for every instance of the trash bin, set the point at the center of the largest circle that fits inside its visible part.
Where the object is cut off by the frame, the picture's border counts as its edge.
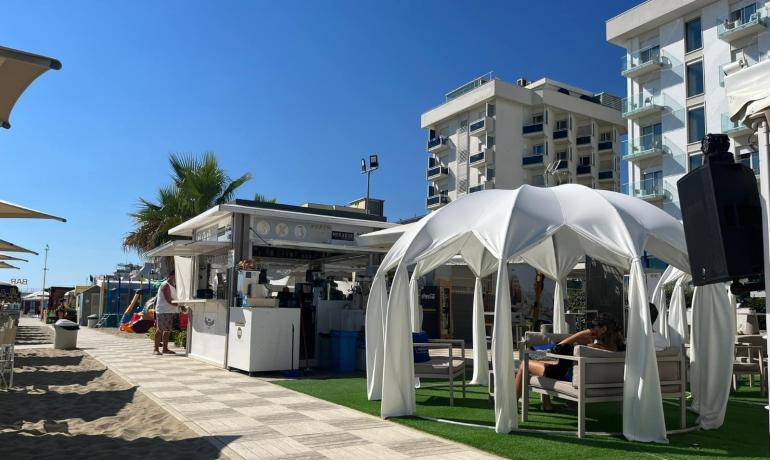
(344, 351)
(93, 320)
(65, 334)
(324, 350)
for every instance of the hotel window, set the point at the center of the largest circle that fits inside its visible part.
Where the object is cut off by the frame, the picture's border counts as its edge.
(538, 149)
(490, 141)
(650, 54)
(585, 161)
(696, 124)
(562, 155)
(490, 110)
(561, 125)
(605, 136)
(693, 36)
(696, 160)
(490, 173)
(695, 79)
(743, 15)
(537, 118)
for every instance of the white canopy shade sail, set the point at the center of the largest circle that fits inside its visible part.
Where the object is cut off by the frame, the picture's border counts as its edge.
(385, 237)
(15, 211)
(18, 69)
(7, 246)
(5, 257)
(550, 229)
(37, 295)
(7, 265)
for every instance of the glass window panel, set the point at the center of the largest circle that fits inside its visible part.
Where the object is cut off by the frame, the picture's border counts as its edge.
(696, 124)
(695, 161)
(695, 79)
(693, 37)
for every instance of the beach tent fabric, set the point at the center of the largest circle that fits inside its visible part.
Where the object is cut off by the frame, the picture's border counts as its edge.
(550, 229)
(18, 69)
(672, 319)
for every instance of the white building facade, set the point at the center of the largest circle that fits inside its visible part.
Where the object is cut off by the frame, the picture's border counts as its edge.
(494, 134)
(676, 51)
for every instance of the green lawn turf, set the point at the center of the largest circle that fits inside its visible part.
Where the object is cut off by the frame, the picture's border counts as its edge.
(743, 435)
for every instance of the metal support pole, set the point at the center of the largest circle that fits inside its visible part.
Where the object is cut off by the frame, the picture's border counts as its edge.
(45, 271)
(368, 183)
(764, 196)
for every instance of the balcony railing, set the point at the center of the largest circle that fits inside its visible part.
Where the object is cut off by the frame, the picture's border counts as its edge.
(583, 140)
(482, 157)
(532, 160)
(436, 200)
(641, 104)
(560, 134)
(642, 62)
(437, 171)
(646, 189)
(733, 127)
(437, 143)
(645, 146)
(532, 128)
(583, 169)
(606, 175)
(562, 164)
(486, 185)
(480, 126)
(605, 145)
(729, 30)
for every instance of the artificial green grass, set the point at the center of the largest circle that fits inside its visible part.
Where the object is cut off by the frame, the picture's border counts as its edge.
(743, 435)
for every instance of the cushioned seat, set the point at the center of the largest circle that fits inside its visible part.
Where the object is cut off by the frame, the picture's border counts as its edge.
(438, 364)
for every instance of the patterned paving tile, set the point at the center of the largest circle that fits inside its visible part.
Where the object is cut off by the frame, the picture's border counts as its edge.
(301, 427)
(282, 418)
(329, 440)
(424, 447)
(311, 404)
(361, 452)
(363, 423)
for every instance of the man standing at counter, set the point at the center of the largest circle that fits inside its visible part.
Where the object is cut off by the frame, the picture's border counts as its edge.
(165, 309)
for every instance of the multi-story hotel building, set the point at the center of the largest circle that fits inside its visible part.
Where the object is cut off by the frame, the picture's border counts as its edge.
(676, 52)
(492, 134)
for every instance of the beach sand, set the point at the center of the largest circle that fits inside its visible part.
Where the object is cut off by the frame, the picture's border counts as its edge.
(65, 404)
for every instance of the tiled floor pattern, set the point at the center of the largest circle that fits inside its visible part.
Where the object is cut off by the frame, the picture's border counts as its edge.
(253, 418)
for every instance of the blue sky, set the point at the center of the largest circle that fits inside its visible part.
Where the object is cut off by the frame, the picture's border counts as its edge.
(295, 92)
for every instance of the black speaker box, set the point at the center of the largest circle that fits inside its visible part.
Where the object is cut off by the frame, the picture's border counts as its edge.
(722, 220)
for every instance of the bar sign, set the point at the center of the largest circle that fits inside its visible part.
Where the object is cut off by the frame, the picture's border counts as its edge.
(344, 236)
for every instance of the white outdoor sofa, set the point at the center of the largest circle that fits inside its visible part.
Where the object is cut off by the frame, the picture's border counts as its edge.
(447, 367)
(597, 376)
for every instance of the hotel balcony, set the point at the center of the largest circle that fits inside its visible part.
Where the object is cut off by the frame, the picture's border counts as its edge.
(532, 129)
(436, 201)
(583, 170)
(560, 136)
(730, 30)
(606, 175)
(486, 156)
(642, 62)
(487, 185)
(734, 128)
(647, 189)
(437, 144)
(562, 165)
(640, 105)
(532, 161)
(583, 141)
(643, 147)
(437, 172)
(481, 126)
(605, 146)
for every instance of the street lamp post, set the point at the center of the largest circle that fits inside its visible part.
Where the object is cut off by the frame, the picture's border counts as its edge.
(45, 271)
(373, 165)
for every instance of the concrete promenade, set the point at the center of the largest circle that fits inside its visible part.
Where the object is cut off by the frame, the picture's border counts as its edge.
(248, 417)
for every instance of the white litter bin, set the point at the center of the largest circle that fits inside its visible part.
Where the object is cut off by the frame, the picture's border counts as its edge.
(65, 335)
(93, 320)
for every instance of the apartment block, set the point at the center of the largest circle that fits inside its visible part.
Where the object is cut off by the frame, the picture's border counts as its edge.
(676, 53)
(493, 134)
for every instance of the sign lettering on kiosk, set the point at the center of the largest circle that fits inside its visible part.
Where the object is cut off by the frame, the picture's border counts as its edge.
(343, 236)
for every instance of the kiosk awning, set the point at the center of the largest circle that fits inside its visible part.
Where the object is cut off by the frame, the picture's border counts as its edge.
(18, 69)
(187, 248)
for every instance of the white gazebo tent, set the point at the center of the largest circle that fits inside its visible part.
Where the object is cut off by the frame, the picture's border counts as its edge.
(550, 229)
(748, 96)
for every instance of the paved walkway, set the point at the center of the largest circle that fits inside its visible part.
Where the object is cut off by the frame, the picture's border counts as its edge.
(252, 418)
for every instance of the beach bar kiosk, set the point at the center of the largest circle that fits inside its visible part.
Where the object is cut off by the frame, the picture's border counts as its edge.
(263, 281)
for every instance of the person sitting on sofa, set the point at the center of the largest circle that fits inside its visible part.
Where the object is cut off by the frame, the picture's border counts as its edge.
(603, 333)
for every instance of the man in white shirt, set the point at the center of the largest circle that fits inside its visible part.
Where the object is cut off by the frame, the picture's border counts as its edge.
(165, 310)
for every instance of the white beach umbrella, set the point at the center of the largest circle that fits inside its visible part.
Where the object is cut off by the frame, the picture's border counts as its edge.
(14, 211)
(6, 246)
(18, 69)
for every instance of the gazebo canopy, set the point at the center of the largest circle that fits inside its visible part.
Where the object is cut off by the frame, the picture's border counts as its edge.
(15, 211)
(7, 246)
(550, 229)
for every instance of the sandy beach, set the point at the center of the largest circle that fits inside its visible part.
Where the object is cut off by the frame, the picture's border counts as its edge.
(65, 404)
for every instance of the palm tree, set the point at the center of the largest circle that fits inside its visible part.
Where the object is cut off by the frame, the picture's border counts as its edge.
(260, 198)
(198, 184)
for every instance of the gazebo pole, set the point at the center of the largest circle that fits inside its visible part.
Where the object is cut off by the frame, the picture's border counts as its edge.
(764, 194)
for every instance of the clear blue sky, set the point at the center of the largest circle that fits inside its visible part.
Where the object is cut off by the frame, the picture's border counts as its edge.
(296, 92)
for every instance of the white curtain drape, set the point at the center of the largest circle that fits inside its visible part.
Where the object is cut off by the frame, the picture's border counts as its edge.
(559, 318)
(183, 269)
(643, 418)
(375, 309)
(677, 316)
(712, 351)
(502, 356)
(480, 356)
(398, 362)
(414, 303)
